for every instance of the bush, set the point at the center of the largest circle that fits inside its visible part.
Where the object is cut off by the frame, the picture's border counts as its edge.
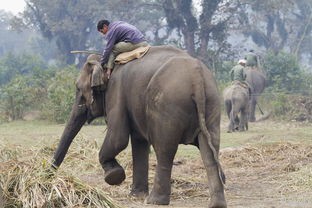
(17, 97)
(284, 73)
(60, 95)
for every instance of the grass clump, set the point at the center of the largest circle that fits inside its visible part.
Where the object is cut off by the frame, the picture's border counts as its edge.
(27, 181)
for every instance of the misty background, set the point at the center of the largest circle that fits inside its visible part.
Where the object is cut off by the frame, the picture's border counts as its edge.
(37, 70)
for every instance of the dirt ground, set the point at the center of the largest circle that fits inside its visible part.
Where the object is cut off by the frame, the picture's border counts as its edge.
(268, 166)
(275, 175)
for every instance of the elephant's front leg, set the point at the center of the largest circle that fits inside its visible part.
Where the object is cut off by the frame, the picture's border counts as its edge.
(140, 151)
(116, 140)
(253, 103)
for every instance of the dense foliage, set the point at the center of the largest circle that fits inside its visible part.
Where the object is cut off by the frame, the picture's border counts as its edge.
(27, 85)
(284, 74)
(60, 95)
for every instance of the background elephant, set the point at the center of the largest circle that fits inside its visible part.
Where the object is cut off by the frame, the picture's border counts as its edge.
(257, 81)
(164, 99)
(236, 100)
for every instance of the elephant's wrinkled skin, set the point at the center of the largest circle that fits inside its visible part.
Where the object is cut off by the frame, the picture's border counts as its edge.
(236, 100)
(257, 81)
(164, 99)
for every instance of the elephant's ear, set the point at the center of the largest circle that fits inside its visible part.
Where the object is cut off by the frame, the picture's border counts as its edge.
(98, 80)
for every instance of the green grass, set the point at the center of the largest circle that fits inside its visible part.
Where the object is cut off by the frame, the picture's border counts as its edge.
(40, 133)
(33, 133)
(267, 132)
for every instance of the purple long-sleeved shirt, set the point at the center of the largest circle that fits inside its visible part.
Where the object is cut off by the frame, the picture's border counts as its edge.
(120, 32)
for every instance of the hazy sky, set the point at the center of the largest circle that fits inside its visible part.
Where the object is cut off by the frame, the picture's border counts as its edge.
(13, 6)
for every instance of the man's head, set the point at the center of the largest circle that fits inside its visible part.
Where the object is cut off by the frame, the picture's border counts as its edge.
(242, 62)
(102, 26)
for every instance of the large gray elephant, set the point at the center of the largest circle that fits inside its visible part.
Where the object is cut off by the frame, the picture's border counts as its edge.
(236, 100)
(257, 81)
(164, 99)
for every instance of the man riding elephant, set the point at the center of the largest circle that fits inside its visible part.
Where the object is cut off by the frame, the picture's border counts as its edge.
(256, 78)
(252, 59)
(238, 74)
(121, 37)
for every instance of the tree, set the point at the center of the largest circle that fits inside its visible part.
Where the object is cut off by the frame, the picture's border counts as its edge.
(200, 32)
(69, 23)
(12, 41)
(72, 24)
(12, 65)
(281, 25)
(284, 73)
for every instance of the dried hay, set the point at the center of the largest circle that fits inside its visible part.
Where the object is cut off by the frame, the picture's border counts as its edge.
(26, 181)
(285, 164)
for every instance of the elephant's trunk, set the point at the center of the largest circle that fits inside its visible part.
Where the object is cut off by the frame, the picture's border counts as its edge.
(77, 118)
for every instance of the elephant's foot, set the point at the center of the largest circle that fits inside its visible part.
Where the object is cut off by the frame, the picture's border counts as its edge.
(241, 129)
(252, 119)
(217, 201)
(114, 173)
(139, 193)
(157, 199)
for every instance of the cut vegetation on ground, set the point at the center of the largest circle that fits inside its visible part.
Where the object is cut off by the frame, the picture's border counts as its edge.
(268, 166)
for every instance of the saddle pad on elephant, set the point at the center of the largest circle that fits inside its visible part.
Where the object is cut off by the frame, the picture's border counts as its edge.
(130, 55)
(242, 84)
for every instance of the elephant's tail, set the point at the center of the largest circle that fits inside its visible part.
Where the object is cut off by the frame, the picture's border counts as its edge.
(200, 100)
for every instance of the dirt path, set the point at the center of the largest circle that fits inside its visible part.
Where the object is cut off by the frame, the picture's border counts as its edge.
(274, 175)
(268, 166)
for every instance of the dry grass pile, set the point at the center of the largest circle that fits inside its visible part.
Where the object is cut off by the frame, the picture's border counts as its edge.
(26, 181)
(287, 165)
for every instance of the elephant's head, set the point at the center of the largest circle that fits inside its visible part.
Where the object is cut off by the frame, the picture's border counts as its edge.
(89, 104)
(91, 85)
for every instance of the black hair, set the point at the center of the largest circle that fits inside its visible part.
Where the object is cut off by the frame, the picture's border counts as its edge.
(101, 24)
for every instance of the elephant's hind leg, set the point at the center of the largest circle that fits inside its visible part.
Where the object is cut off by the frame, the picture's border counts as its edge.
(161, 191)
(216, 188)
(165, 140)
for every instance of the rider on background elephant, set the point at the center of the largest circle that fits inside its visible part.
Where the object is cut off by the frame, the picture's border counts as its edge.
(252, 59)
(256, 78)
(237, 97)
(121, 37)
(238, 74)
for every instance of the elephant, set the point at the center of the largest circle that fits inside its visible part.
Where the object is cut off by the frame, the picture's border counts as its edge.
(2, 202)
(162, 100)
(257, 82)
(236, 100)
